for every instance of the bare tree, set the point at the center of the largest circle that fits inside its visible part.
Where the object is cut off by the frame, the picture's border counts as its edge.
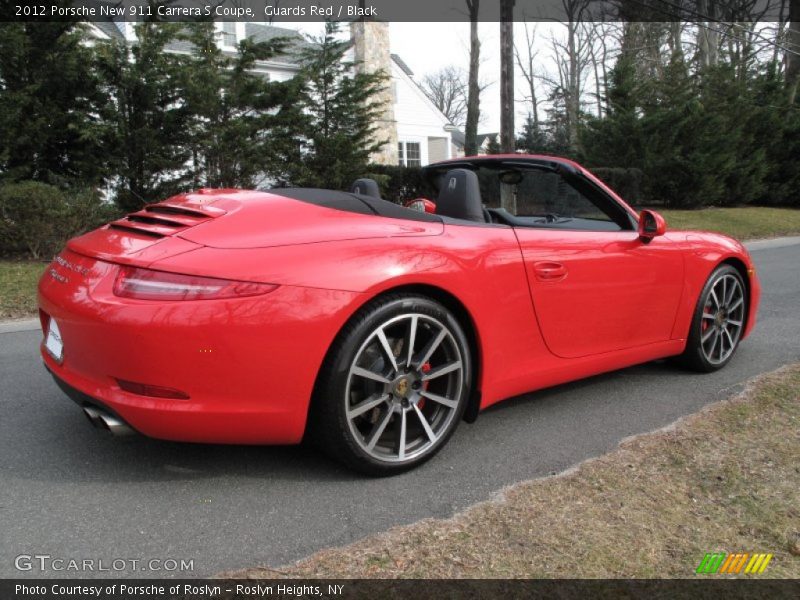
(707, 34)
(447, 89)
(526, 61)
(572, 57)
(792, 54)
(473, 87)
(507, 137)
(599, 51)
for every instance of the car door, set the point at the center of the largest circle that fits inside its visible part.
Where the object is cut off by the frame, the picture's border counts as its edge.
(595, 285)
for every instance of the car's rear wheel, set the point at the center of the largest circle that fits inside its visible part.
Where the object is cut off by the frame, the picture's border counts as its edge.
(394, 386)
(718, 322)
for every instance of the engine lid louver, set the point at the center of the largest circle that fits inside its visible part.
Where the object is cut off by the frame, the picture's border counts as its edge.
(165, 219)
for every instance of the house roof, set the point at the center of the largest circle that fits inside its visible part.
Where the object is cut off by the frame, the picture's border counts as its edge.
(255, 31)
(458, 137)
(403, 66)
(260, 33)
(110, 29)
(482, 137)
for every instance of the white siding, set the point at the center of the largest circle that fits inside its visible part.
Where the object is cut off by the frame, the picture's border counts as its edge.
(417, 118)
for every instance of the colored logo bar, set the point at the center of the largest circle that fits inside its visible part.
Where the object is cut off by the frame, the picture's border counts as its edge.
(733, 564)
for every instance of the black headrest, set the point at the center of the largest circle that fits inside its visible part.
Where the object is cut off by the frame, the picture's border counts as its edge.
(366, 187)
(460, 196)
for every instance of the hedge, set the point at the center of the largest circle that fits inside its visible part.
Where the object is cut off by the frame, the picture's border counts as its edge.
(400, 184)
(37, 219)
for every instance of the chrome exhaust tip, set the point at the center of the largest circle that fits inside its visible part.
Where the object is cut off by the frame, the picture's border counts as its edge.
(116, 426)
(101, 419)
(93, 416)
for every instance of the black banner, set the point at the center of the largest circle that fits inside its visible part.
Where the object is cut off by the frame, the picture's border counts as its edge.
(284, 11)
(380, 589)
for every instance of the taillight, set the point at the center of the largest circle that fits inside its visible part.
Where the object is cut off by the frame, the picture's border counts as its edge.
(145, 284)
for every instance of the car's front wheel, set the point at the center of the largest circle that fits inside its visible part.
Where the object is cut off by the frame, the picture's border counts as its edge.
(394, 386)
(718, 322)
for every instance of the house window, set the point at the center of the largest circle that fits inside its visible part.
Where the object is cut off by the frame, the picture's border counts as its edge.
(228, 33)
(409, 154)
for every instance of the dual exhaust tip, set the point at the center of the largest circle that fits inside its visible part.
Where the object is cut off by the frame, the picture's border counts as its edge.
(104, 420)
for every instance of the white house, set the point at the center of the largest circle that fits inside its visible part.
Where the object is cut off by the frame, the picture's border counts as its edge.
(417, 132)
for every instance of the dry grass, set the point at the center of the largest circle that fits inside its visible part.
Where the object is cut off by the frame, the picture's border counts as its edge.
(725, 479)
(18, 280)
(741, 223)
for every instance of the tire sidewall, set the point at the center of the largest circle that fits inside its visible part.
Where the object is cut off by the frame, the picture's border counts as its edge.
(365, 323)
(694, 352)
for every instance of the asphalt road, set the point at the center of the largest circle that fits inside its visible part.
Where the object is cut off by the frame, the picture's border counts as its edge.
(72, 492)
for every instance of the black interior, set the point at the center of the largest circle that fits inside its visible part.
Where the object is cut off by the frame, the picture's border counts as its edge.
(501, 215)
(611, 216)
(366, 187)
(357, 203)
(460, 196)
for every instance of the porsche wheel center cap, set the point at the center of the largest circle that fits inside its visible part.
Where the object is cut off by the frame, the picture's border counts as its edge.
(401, 387)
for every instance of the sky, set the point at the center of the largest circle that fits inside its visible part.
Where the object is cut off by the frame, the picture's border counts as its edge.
(428, 47)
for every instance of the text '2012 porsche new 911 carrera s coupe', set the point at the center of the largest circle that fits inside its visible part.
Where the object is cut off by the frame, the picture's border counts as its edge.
(245, 317)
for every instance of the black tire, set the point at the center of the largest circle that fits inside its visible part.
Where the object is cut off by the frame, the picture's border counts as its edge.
(342, 390)
(696, 356)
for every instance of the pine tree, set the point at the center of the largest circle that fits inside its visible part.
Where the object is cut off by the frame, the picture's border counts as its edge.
(244, 128)
(532, 140)
(147, 118)
(492, 145)
(616, 140)
(49, 102)
(342, 108)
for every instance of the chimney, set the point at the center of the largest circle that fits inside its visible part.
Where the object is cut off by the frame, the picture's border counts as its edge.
(372, 53)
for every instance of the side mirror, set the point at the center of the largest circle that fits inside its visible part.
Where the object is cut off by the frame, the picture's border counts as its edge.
(651, 224)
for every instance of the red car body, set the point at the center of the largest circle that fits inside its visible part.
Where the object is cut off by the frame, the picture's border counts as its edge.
(243, 368)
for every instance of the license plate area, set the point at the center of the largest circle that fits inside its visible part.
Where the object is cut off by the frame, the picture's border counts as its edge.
(53, 342)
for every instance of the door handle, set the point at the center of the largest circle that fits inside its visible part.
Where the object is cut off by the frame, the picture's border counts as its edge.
(549, 271)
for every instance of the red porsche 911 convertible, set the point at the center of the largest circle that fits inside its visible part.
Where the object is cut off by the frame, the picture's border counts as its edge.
(246, 317)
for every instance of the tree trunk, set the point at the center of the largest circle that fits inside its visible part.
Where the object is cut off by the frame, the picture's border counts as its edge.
(707, 35)
(473, 88)
(507, 76)
(527, 68)
(793, 51)
(507, 142)
(573, 91)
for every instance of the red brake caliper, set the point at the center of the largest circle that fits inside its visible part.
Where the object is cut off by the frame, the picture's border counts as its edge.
(425, 368)
(706, 323)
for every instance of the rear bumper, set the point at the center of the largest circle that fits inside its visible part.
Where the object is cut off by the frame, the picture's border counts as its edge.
(98, 414)
(248, 365)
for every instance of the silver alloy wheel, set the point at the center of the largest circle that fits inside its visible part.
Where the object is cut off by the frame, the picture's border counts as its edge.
(404, 387)
(722, 321)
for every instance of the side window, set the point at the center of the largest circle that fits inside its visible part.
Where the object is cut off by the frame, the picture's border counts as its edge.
(549, 200)
(549, 194)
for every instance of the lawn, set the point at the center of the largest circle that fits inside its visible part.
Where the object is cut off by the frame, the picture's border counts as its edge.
(723, 480)
(18, 281)
(741, 223)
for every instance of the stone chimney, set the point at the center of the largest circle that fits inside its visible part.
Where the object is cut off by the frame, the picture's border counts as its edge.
(372, 53)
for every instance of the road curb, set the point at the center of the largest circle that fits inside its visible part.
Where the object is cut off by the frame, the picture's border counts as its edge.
(20, 325)
(767, 244)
